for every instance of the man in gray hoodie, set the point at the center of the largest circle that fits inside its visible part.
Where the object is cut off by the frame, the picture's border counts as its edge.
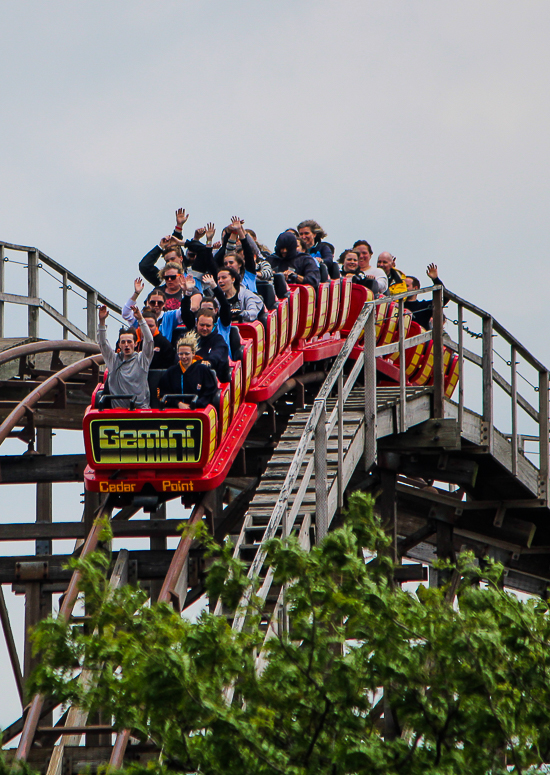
(127, 369)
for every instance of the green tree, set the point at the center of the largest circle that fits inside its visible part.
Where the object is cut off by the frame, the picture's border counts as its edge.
(466, 686)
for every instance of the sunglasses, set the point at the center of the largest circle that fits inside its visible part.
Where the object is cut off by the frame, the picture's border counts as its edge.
(156, 303)
(171, 276)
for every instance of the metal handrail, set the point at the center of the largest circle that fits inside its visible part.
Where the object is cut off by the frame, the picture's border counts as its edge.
(316, 414)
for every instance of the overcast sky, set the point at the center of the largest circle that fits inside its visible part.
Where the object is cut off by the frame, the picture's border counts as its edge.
(420, 125)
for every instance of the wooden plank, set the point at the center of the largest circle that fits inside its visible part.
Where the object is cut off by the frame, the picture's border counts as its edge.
(430, 433)
(29, 469)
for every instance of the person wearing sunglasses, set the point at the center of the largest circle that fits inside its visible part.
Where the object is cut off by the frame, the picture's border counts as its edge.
(169, 321)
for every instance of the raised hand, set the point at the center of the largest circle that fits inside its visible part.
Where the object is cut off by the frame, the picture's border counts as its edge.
(208, 280)
(165, 242)
(188, 282)
(237, 225)
(431, 271)
(200, 232)
(103, 313)
(217, 245)
(181, 218)
(137, 314)
(138, 286)
(210, 231)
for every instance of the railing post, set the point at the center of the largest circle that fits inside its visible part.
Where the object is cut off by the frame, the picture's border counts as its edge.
(2, 256)
(544, 430)
(514, 391)
(91, 312)
(460, 366)
(340, 474)
(32, 292)
(402, 371)
(487, 425)
(437, 336)
(320, 461)
(369, 379)
(65, 288)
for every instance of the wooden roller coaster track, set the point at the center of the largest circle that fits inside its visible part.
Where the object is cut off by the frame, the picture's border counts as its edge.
(448, 478)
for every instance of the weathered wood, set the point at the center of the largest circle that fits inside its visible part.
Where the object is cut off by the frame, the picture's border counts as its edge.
(32, 291)
(2, 275)
(487, 426)
(11, 647)
(30, 469)
(438, 367)
(544, 435)
(412, 572)
(436, 433)
(136, 528)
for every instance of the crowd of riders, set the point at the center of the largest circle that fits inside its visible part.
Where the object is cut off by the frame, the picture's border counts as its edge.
(183, 334)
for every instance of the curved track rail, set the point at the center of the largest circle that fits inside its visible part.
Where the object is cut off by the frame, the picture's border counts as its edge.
(337, 440)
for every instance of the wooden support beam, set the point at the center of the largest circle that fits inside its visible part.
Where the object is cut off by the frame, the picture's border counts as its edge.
(30, 469)
(388, 480)
(11, 647)
(136, 528)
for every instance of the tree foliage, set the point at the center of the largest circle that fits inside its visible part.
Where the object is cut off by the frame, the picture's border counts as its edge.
(466, 686)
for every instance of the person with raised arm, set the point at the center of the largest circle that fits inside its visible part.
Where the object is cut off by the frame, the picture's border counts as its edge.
(235, 241)
(127, 369)
(168, 248)
(422, 309)
(217, 303)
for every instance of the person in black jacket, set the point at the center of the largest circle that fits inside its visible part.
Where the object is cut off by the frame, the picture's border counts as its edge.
(297, 267)
(212, 347)
(188, 377)
(163, 356)
(422, 309)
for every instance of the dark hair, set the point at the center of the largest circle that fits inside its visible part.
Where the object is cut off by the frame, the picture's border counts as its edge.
(239, 259)
(205, 313)
(129, 330)
(147, 312)
(416, 281)
(362, 242)
(344, 253)
(234, 275)
(213, 299)
(156, 292)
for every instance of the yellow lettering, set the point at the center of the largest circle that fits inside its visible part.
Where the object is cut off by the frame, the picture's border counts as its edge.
(127, 439)
(108, 436)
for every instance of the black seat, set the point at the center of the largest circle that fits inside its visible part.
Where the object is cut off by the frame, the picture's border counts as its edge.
(267, 292)
(324, 272)
(153, 378)
(235, 344)
(333, 270)
(280, 285)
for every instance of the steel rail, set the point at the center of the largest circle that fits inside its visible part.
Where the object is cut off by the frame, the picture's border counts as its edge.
(42, 390)
(280, 507)
(168, 594)
(65, 611)
(33, 348)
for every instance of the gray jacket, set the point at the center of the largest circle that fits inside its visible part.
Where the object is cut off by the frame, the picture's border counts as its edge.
(251, 304)
(128, 376)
